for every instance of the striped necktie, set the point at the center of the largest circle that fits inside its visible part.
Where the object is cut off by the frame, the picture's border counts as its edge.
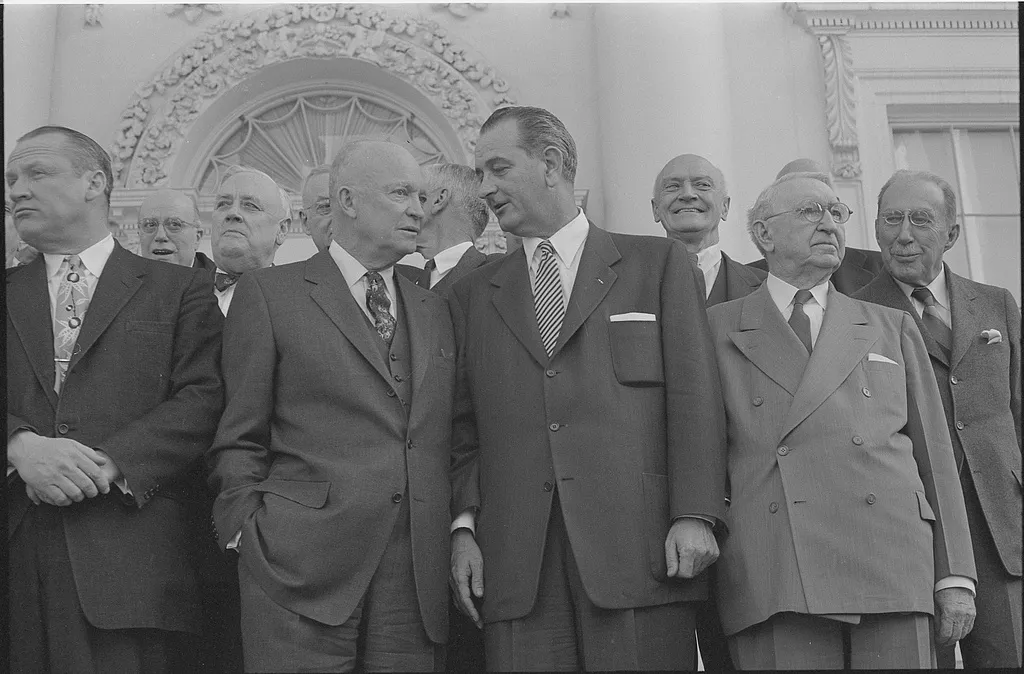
(548, 297)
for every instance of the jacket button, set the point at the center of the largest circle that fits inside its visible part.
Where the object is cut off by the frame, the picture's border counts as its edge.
(553, 427)
(758, 401)
(393, 357)
(398, 377)
(391, 393)
(396, 498)
(63, 429)
(857, 440)
(870, 499)
(866, 391)
(773, 507)
(959, 425)
(408, 445)
(548, 486)
(550, 373)
(783, 450)
(77, 349)
(953, 380)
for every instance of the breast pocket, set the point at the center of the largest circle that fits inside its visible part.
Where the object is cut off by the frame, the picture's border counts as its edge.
(636, 353)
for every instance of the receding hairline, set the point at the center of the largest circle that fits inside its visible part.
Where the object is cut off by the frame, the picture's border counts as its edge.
(352, 155)
(720, 182)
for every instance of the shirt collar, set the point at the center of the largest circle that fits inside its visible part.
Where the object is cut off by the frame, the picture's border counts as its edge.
(937, 286)
(94, 258)
(449, 257)
(708, 257)
(352, 269)
(567, 241)
(783, 293)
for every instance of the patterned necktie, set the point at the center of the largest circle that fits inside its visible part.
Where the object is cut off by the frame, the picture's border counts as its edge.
(379, 305)
(223, 281)
(548, 297)
(799, 321)
(938, 329)
(68, 314)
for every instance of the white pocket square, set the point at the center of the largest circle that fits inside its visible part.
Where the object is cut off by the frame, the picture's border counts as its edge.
(632, 316)
(878, 358)
(992, 335)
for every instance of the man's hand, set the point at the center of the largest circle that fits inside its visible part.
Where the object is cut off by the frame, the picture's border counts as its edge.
(689, 547)
(954, 615)
(109, 468)
(60, 471)
(467, 570)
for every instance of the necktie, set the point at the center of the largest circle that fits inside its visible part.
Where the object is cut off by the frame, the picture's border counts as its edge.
(799, 321)
(379, 305)
(223, 281)
(69, 312)
(938, 329)
(429, 268)
(548, 297)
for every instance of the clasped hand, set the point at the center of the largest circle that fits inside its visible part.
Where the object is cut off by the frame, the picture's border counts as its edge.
(59, 471)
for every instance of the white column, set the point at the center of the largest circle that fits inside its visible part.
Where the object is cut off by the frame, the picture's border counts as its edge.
(30, 43)
(663, 90)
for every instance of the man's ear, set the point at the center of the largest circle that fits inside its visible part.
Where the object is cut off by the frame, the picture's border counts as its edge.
(199, 235)
(654, 212)
(951, 236)
(282, 230)
(553, 162)
(346, 201)
(444, 195)
(96, 186)
(725, 207)
(763, 235)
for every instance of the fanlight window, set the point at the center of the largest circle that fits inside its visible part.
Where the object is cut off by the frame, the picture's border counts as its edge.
(289, 139)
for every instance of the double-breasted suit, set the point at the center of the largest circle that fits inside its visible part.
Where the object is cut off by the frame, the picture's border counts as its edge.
(844, 495)
(980, 386)
(322, 440)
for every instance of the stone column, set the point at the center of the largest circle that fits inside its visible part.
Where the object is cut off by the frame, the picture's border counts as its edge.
(30, 43)
(662, 77)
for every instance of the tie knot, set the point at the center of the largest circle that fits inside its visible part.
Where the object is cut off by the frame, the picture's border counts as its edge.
(374, 279)
(802, 297)
(222, 280)
(546, 249)
(430, 266)
(73, 262)
(924, 296)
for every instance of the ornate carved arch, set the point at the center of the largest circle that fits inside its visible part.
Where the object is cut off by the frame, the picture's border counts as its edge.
(163, 109)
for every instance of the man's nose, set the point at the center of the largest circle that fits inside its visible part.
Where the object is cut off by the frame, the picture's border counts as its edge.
(415, 209)
(486, 188)
(686, 191)
(161, 233)
(18, 190)
(904, 233)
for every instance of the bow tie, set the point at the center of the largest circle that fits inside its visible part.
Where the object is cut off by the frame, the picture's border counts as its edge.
(224, 281)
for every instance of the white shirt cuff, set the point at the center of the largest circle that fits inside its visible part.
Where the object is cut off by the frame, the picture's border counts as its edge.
(122, 484)
(956, 581)
(235, 540)
(467, 520)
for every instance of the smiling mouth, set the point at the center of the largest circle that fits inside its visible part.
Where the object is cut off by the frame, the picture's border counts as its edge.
(161, 251)
(689, 210)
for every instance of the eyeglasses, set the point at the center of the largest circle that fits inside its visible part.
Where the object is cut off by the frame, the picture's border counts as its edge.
(322, 207)
(814, 212)
(172, 225)
(918, 218)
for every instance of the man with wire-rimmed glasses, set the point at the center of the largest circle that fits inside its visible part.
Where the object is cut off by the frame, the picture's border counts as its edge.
(847, 527)
(170, 229)
(315, 214)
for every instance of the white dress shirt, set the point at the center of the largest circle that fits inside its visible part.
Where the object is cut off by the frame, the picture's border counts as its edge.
(446, 260)
(939, 291)
(783, 295)
(568, 244)
(710, 261)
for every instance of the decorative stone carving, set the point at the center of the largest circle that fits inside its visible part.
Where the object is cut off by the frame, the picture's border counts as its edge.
(193, 12)
(162, 110)
(93, 14)
(840, 105)
(461, 9)
(560, 10)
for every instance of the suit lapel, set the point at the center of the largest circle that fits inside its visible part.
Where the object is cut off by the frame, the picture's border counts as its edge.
(420, 311)
(331, 293)
(28, 307)
(469, 261)
(513, 299)
(121, 279)
(843, 341)
(964, 317)
(740, 280)
(594, 278)
(891, 295)
(767, 341)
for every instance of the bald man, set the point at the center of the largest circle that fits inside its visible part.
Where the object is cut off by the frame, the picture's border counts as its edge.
(859, 265)
(331, 459)
(170, 229)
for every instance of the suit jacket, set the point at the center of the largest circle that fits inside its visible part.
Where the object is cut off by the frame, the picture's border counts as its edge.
(203, 262)
(980, 389)
(314, 442)
(625, 419)
(469, 261)
(144, 386)
(734, 281)
(859, 266)
(845, 497)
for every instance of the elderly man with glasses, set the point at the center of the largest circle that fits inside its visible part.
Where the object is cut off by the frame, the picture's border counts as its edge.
(847, 527)
(170, 229)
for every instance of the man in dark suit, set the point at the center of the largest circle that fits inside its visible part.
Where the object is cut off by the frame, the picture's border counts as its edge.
(859, 265)
(691, 199)
(331, 459)
(315, 214)
(847, 527)
(454, 218)
(972, 332)
(589, 433)
(113, 391)
(170, 229)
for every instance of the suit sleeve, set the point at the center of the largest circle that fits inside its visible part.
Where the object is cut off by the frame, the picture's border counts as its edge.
(240, 457)
(933, 452)
(1013, 328)
(158, 447)
(464, 470)
(695, 411)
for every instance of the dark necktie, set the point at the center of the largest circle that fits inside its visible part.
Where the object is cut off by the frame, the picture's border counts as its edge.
(223, 281)
(429, 268)
(548, 297)
(799, 321)
(379, 305)
(938, 329)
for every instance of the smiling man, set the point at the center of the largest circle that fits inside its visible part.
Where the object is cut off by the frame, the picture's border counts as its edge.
(250, 221)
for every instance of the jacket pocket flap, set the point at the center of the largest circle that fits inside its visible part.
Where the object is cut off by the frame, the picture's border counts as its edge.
(926, 509)
(304, 492)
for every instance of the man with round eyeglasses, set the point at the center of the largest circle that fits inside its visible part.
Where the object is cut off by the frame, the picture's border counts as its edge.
(847, 528)
(315, 214)
(170, 229)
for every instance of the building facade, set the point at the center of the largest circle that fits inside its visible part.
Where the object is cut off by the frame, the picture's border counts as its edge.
(179, 92)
